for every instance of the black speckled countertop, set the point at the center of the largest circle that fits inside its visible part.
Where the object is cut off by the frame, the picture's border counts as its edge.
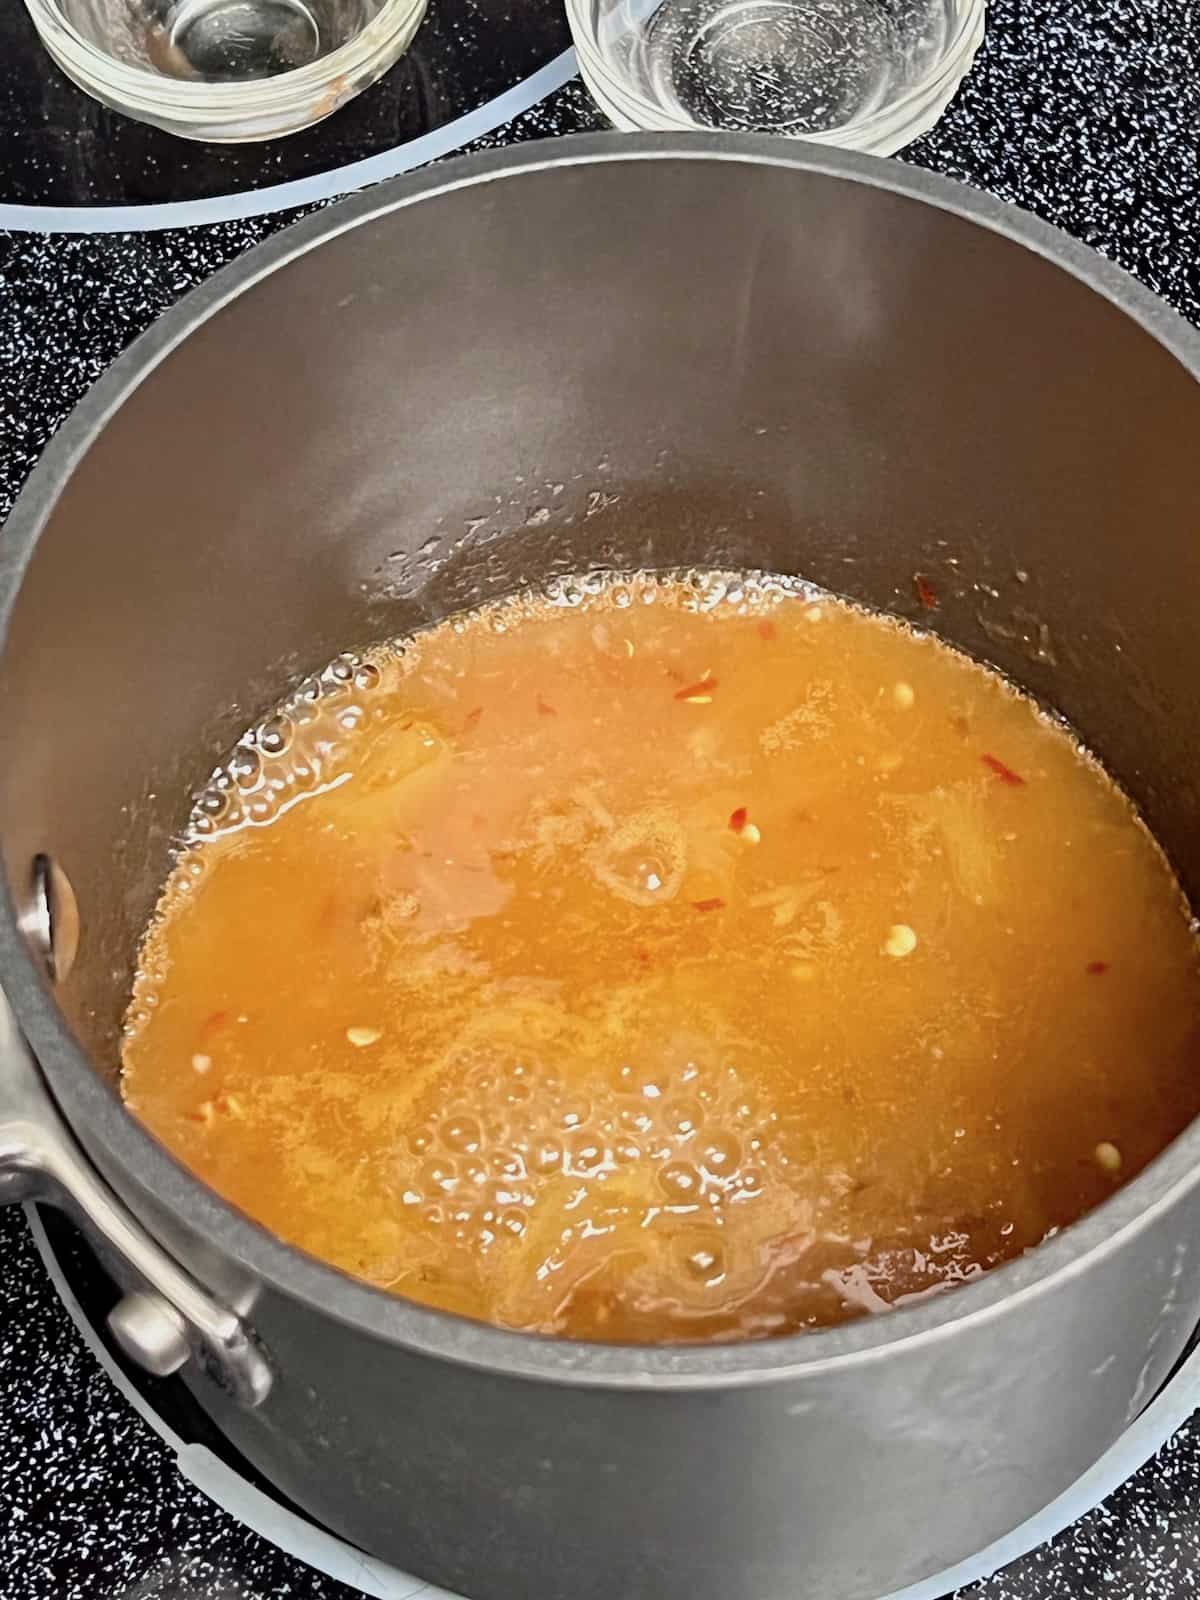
(1086, 112)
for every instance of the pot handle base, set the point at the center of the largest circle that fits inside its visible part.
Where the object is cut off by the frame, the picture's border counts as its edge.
(165, 1319)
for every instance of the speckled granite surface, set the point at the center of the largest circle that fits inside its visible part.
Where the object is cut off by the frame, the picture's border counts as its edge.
(1084, 111)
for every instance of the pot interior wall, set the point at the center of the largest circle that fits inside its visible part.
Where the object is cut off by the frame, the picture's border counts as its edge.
(642, 362)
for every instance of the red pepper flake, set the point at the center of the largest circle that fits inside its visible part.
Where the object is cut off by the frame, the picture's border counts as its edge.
(545, 709)
(737, 819)
(697, 691)
(643, 956)
(212, 1024)
(1095, 968)
(925, 592)
(472, 718)
(1004, 772)
(715, 904)
(766, 629)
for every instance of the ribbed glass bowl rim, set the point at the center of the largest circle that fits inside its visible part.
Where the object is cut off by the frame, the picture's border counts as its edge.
(951, 66)
(145, 89)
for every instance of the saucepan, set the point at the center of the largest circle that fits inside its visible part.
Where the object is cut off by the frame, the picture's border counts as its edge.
(614, 352)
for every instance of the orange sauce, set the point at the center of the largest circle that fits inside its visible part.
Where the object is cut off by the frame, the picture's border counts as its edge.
(672, 960)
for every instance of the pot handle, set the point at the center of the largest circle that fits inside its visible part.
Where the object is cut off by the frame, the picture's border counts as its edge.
(165, 1318)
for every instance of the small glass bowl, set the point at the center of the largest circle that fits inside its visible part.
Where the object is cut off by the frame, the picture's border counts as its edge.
(226, 71)
(868, 75)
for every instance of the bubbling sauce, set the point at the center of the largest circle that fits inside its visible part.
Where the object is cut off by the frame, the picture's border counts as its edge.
(665, 959)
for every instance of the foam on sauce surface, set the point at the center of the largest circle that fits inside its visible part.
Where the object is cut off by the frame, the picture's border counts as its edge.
(673, 960)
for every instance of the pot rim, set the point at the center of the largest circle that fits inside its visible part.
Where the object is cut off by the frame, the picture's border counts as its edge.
(88, 1101)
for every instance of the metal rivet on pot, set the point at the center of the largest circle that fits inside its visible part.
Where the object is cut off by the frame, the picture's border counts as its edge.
(150, 1333)
(50, 922)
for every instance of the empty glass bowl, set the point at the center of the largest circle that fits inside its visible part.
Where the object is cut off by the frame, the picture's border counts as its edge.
(861, 74)
(226, 70)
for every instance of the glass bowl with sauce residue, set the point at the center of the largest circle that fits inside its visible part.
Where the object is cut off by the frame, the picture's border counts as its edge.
(226, 71)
